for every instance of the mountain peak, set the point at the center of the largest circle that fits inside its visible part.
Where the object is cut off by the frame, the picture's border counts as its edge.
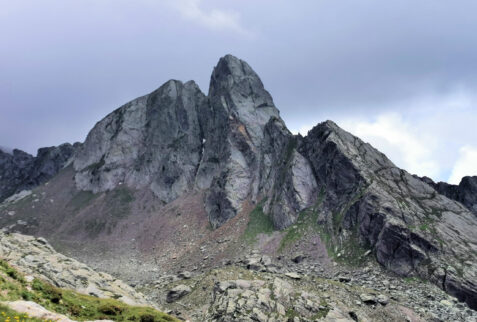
(236, 78)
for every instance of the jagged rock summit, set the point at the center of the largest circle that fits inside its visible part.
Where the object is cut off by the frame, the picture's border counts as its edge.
(176, 140)
(162, 163)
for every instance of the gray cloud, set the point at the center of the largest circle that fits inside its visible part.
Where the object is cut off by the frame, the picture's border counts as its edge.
(64, 65)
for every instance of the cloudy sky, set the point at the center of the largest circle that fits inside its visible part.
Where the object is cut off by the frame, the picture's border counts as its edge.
(401, 74)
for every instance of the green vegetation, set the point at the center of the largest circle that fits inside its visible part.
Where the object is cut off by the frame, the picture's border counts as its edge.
(70, 303)
(259, 223)
(321, 313)
(424, 227)
(346, 250)
(291, 314)
(307, 220)
(338, 216)
(6, 314)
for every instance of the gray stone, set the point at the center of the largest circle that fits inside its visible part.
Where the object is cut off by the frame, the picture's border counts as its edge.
(382, 299)
(293, 275)
(177, 292)
(184, 275)
(368, 299)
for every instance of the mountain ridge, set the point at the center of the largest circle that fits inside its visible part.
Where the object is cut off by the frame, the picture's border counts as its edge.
(177, 156)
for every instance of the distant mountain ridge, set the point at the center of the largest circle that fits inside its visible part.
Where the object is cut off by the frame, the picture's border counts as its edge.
(20, 170)
(465, 192)
(6, 149)
(177, 153)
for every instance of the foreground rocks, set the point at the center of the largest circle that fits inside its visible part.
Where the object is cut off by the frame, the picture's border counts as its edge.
(284, 290)
(35, 257)
(263, 296)
(34, 310)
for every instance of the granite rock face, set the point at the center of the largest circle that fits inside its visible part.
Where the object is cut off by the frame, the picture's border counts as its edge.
(153, 141)
(239, 109)
(20, 170)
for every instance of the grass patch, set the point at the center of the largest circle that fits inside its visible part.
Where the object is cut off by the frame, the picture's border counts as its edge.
(291, 314)
(76, 306)
(307, 220)
(259, 223)
(321, 313)
(7, 314)
(348, 251)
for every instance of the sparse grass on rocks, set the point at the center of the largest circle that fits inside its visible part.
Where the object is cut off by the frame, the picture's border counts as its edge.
(13, 287)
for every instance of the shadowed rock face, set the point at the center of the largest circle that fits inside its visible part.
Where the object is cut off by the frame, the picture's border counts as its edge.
(411, 227)
(20, 170)
(233, 146)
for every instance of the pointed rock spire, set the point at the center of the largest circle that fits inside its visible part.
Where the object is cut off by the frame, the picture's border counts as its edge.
(236, 78)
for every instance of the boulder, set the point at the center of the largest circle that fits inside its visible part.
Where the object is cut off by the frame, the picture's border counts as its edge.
(177, 292)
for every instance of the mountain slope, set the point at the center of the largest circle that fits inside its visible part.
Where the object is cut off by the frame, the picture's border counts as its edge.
(174, 173)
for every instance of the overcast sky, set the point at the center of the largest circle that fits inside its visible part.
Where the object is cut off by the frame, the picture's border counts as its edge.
(400, 74)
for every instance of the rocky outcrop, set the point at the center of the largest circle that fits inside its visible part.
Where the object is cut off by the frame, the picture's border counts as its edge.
(35, 257)
(465, 192)
(20, 170)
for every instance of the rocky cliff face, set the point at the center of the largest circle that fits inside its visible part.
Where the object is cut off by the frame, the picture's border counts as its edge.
(20, 170)
(153, 141)
(176, 140)
(412, 229)
(232, 148)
